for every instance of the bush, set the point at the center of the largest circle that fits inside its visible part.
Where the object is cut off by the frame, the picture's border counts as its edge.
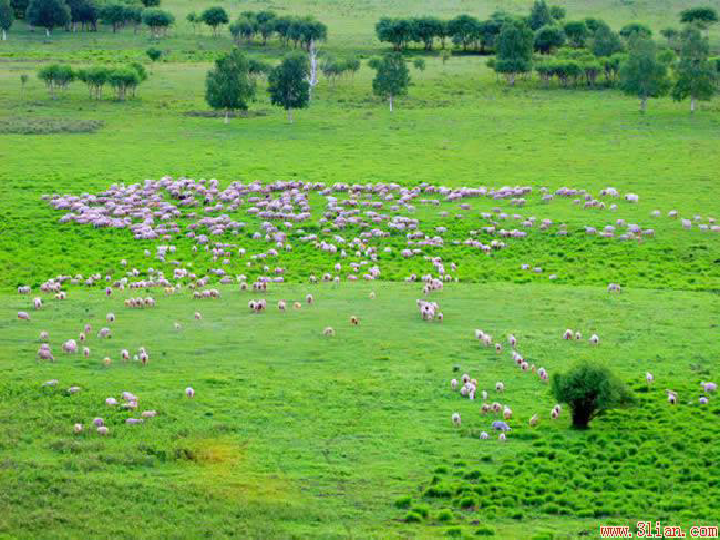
(543, 535)
(445, 515)
(424, 511)
(485, 531)
(403, 502)
(413, 517)
(455, 531)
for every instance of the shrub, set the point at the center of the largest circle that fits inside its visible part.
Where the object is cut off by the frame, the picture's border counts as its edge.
(485, 531)
(413, 517)
(455, 531)
(468, 502)
(444, 515)
(424, 511)
(403, 502)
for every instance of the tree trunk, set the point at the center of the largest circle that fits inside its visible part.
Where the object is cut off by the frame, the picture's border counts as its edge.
(226, 115)
(390, 102)
(581, 418)
(4, 35)
(289, 115)
(643, 104)
(692, 104)
(47, 32)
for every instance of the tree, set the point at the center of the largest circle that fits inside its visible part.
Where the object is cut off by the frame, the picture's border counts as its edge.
(214, 17)
(23, 81)
(635, 28)
(464, 29)
(150, 3)
(193, 19)
(392, 78)
(228, 85)
(427, 29)
(642, 75)
(243, 28)
(589, 391)
(593, 24)
(557, 13)
(154, 54)
(113, 14)
(257, 68)
(6, 17)
(158, 21)
(133, 15)
(514, 52)
(671, 35)
(695, 77)
(548, 38)
(122, 80)
(47, 14)
(419, 64)
(576, 32)
(56, 76)
(606, 42)
(19, 8)
(446, 56)
(702, 16)
(539, 15)
(287, 83)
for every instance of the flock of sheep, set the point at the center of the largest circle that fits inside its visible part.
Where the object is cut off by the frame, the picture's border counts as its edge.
(282, 208)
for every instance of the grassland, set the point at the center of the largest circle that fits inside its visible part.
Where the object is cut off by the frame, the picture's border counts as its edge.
(293, 435)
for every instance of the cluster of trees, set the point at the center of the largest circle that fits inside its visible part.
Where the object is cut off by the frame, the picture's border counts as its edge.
(123, 80)
(465, 31)
(629, 56)
(252, 25)
(333, 67)
(84, 14)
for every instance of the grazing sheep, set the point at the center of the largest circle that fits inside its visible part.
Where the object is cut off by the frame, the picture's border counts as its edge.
(190, 392)
(484, 395)
(485, 408)
(74, 389)
(372, 296)
(178, 326)
(709, 387)
(554, 414)
(86, 352)
(297, 305)
(329, 331)
(134, 420)
(45, 354)
(37, 303)
(144, 358)
(104, 333)
(149, 414)
(512, 340)
(614, 287)
(70, 347)
(524, 366)
(354, 320)
(51, 382)
(110, 317)
(578, 336)
(44, 336)
(82, 336)
(501, 426)
(483, 435)
(198, 316)
(23, 316)
(534, 420)
(87, 328)
(703, 401)
(77, 428)
(309, 298)
(456, 419)
(454, 384)
(107, 361)
(594, 339)
(507, 413)
(568, 334)
(103, 430)
(110, 401)
(501, 437)
(496, 407)
(672, 397)
(97, 422)
(124, 354)
(499, 387)
(649, 377)
(440, 316)
(498, 348)
(282, 305)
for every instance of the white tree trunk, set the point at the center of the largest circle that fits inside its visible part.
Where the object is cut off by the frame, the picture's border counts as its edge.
(47, 32)
(4, 35)
(290, 115)
(312, 81)
(692, 104)
(643, 104)
(390, 102)
(226, 116)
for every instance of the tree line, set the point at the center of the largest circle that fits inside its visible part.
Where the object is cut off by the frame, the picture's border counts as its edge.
(123, 80)
(302, 31)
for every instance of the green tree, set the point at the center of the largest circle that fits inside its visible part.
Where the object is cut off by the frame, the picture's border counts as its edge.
(243, 28)
(6, 17)
(19, 8)
(549, 38)
(589, 391)
(214, 16)
(47, 14)
(150, 3)
(577, 32)
(464, 30)
(704, 17)
(288, 84)
(96, 78)
(514, 51)
(154, 54)
(122, 80)
(257, 68)
(228, 86)
(671, 35)
(557, 13)
(594, 24)
(419, 64)
(606, 42)
(642, 74)
(628, 30)
(392, 77)
(56, 76)
(446, 56)
(133, 15)
(695, 77)
(113, 14)
(427, 29)
(193, 19)
(158, 21)
(539, 15)
(23, 81)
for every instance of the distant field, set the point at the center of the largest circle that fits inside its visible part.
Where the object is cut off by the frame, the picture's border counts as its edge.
(295, 435)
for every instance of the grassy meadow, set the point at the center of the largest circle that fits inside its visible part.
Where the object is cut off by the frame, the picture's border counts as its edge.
(295, 435)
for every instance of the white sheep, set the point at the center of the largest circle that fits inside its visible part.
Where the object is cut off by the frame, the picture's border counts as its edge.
(594, 339)
(454, 384)
(456, 419)
(190, 392)
(77, 428)
(507, 413)
(110, 317)
(499, 387)
(568, 334)
(534, 420)
(483, 435)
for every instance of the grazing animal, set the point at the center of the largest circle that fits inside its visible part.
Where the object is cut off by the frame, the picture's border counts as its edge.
(23, 316)
(45, 354)
(672, 397)
(148, 414)
(125, 354)
(329, 331)
(649, 377)
(282, 305)
(512, 340)
(103, 430)
(454, 384)
(709, 387)
(77, 428)
(554, 414)
(534, 420)
(594, 339)
(484, 395)
(568, 334)
(190, 392)
(354, 320)
(456, 419)
(501, 437)
(178, 326)
(107, 361)
(372, 296)
(86, 352)
(44, 336)
(198, 316)
(499, 387)
(110, 401)
(110, 317)
(37, 303)
(703, 401)
(483, 435)
(507, 413)
(501, 426)
(297, 305)
(309, 298)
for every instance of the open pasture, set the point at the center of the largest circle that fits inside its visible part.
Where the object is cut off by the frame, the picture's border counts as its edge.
(293, 434)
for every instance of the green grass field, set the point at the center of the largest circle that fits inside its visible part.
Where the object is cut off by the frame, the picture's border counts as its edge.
(294, 435)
